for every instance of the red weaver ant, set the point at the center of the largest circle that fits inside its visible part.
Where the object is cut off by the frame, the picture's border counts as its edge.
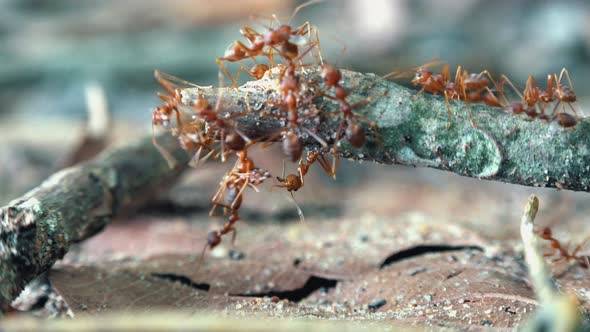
(294, 182)
(533, 96)
(292, 102)
(354, 132)
(163, 114)
(230, 196)
(564, 254)
(471, 88)
(284, 39)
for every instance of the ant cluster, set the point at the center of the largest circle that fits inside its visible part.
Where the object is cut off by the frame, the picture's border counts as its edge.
(205, 133)
(291, 54)
(482, 88)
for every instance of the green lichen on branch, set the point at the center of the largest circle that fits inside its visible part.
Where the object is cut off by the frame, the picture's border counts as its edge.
(38, 228)
(413, 131)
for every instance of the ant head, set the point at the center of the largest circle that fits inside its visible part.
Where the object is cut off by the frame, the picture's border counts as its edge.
(330, 74)
(213, 239)
(259, 70)
(276, 37)
(234, 51)
(293, 182)
(516, 107)
(422, 75)
(546, 233)
(565, 94)
(285, 30)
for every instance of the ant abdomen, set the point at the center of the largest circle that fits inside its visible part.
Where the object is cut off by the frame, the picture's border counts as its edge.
(355, 134)
(234, 141)
(292, 146)
(565, 120)
(232, 197)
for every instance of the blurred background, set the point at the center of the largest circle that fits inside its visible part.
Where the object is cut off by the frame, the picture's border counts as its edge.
(50, 51)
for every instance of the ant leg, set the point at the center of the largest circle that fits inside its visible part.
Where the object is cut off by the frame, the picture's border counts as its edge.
(226, 72)
(448, 109)
(249, 33)
(299, 211)
(234, 233)
(471, 119)
(503, 78)
(573, 110)
(500, 91)
(273, 137)
(578, 247)
(201, 258)
(165, 153)
(315, 136)
(318, 47)
(567, 75)
(167, 81)
(300, 7)
(222, 138)
(372, 124)
(239, 195)
(325, 164)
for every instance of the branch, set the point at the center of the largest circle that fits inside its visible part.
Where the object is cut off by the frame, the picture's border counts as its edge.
(413, 130)
(38, 228)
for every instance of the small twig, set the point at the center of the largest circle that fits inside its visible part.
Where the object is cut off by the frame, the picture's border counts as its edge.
(38, 228)
(97, 132)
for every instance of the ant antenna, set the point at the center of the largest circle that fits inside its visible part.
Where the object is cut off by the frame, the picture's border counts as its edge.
(309, 3)
(299, 211)
(201, 258)
(435, 61)
(165, 153)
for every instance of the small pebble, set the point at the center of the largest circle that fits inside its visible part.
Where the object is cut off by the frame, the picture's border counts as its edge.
(376, 304)
(236, 255)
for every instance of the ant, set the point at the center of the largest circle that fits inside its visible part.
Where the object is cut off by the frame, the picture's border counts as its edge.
(533, 96)
(283, 39)
(161, 116)
(468, 87)
(294, 182)
(203, 114)
(564, 254)
(290, 89)
(230, 196)
(439, 83)
(564, 94)
(229, 135)
(349, 126)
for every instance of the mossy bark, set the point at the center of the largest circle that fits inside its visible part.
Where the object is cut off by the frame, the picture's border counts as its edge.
(38, 228)
(413, 131)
